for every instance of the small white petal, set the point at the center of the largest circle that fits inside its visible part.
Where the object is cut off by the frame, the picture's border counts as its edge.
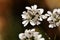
(32, 23)
(44, 17)
(24, 16)
(22, 36)
(55, 10)
(49, 19)
(47, 15)
(26, 30)
(33, 30)
(51, 26)
(25, 22)
(38, 23)
(41, 11)
(24, 12)
(28, 8)
(39, 36)
(49, 12)
(35, 34)
(58, 11)
(35, 6)
(58, 23)
(32, 7)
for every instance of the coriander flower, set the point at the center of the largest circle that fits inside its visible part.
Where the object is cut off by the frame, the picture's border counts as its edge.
(54, 18)
(33, 15)
(29, 34)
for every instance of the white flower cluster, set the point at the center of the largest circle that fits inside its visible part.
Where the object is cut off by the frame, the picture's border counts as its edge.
(29, 34)
(33, 15)
(54, 18)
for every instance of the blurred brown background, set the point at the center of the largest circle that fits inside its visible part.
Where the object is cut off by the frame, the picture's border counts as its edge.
(10, 19)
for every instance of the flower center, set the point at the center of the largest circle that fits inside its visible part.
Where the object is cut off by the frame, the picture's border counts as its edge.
(33, 16)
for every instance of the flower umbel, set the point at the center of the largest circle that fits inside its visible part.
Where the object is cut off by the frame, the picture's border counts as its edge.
(54, 18)
(29, 34)
(33, 15)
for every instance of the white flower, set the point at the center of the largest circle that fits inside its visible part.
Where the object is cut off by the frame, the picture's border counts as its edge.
(22, 36)
(28, 34)
(54, 18)
(33, 15)
(39, 37)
